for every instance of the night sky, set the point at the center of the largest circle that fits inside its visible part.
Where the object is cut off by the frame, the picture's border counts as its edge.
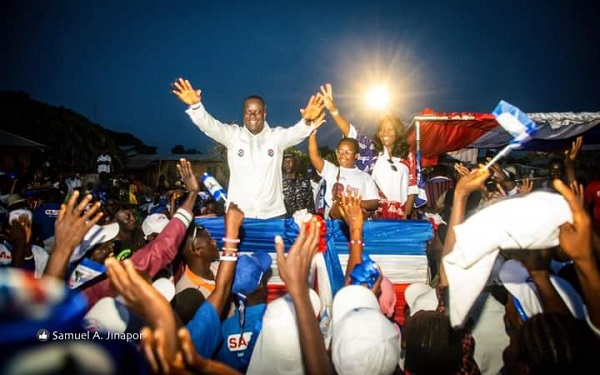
(114, 61)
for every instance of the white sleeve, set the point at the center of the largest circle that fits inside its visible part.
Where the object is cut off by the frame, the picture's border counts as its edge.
(293, 135)
(216, 130)
(352, 133)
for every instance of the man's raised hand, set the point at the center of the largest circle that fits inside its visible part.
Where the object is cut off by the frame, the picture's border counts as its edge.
(313, 108)
(185, 92)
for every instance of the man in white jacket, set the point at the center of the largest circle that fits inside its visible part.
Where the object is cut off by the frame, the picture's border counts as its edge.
(255, 150)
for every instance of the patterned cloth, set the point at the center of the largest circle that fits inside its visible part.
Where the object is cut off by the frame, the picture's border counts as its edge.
(297, 195)
(389, 209)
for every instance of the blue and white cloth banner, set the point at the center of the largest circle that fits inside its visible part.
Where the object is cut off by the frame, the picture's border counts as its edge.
(386, 241)
(515, 122)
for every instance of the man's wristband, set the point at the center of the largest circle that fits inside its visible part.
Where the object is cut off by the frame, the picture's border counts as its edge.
(334, 112)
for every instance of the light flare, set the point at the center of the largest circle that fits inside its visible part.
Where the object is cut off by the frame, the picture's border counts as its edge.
(378, 98)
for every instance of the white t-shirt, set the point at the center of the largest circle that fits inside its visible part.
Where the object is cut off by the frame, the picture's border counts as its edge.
(104, 161)
(350, 178)
(393, 182)
(73, 183)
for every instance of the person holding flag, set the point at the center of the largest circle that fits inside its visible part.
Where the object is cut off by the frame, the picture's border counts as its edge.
(387, 157)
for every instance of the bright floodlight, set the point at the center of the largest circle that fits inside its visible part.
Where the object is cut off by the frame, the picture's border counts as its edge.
(378, 98)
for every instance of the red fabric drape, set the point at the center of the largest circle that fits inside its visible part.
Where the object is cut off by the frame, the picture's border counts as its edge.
(458, 131)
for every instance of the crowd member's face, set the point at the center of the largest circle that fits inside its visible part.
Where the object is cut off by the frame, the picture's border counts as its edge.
(555, 170)
(111, 206)
(346, 154)
(126, 219)
(254, 115)
(337, 190)
(289, 165)
(210, 208)
(387, 134)
(206, 246)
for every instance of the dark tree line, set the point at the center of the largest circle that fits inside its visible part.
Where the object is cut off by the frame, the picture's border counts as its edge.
(72, 140)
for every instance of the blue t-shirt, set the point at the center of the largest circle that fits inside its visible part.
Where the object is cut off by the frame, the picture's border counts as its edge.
(44, 218)
(236, 349)
(205, 330)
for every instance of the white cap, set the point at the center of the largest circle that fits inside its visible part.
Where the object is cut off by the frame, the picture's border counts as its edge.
(277, 349)
(364, 341)
(15, 214)
(420, 297)
(96, 235)
(154, 223)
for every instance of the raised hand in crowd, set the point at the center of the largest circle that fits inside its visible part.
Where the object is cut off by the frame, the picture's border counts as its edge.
(576, 242)
(174, 196)
(461, 169)
(19, 238)
(234, 217)
(185, 92)
(351, 211)
(145, 301)
(471, 182)
(313, 109)
(294, 269)
(318, 121)
(73, 222)
(465, 186)
(570, 158)
(191, 183)
(571, 153)
(526, 187)
(353, 215)
(327, 95)
(340, 121)
(579, 191)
